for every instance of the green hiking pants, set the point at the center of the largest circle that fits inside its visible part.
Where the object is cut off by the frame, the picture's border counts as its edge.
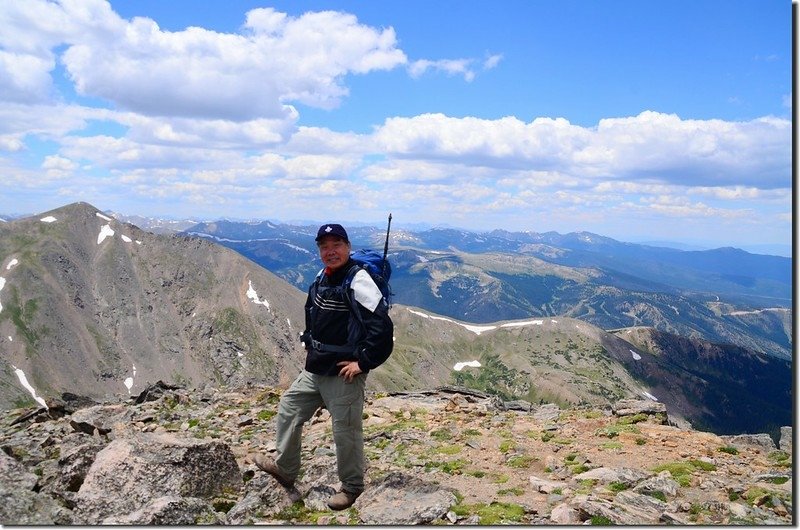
(345, 402)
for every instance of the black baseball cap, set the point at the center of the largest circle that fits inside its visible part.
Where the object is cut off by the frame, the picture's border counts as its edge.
(332, 229)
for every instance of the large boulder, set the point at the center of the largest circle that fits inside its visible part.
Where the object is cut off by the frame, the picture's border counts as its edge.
(785, 442)
(100, 419)
(130, 473)
(73, 465)
(605, 475)
(21, 505)
(170, 511)
(631, 407)
(262, 497)
(627, 508)
(759, 442)
(400, 499)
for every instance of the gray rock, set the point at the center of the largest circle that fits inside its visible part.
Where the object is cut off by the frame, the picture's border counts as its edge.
(14, 473)
(545, 486)
(21, 505)
(640, 501)
(130, 473)
(523, 406)
(317, 497)
(607, 475)
(751, 441)
(630, 407)
(672, 518)
(631, 509)
(99, 419)
(785, 443)
(772, 476)
(738, 510)
(263, 496)
(661, 483)
(565, 514)
(400, 499)
(51, 460)
(169, 510)
(73, 466)
(547, 412)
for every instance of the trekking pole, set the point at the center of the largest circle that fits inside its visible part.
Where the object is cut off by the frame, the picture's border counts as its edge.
(386, 245)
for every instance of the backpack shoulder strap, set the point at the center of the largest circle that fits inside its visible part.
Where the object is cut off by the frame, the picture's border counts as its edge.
(315, 284)
(365, 291)
(351, 273)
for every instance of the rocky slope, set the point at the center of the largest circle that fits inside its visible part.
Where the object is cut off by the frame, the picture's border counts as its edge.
(92, 305)
(449, 456)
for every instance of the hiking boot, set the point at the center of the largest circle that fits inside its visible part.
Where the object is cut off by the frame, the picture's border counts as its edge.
(342, 500)
(267, 464)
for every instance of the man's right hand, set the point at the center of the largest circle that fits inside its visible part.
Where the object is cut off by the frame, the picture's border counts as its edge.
(305, 339)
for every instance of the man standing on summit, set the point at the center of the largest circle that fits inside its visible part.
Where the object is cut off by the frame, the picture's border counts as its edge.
(342, 347)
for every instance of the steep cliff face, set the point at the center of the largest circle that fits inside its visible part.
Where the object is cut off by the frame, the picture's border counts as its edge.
(98, 307)
(723, 388)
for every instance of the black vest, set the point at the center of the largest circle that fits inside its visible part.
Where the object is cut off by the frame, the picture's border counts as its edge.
(334, 330)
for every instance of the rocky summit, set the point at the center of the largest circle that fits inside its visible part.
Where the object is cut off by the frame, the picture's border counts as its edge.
(450, 456)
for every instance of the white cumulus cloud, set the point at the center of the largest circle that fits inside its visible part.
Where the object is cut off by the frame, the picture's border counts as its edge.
(448, 66)
(652, 146)
(183, 77)
(202, 73)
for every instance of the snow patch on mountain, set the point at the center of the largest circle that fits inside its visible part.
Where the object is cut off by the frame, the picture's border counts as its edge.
(129, 380)
(48, 219)
(522, 324)
(106, 231)
(253, 295)
(254, 240)
(475, 329)
(101, 216)
(11, 264)
(758, 311)
(297, 248)
(460, 366)
(24, 382)
(480, 329)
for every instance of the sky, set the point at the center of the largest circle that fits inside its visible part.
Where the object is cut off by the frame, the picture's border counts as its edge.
(640, 121)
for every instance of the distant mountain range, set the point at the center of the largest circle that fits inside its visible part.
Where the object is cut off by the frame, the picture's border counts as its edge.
(765, 249)
(95, 306)
(723, 295)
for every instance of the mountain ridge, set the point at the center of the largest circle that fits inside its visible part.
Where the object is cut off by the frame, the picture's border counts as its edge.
(87, 294)
(504, 275)
(92, 302)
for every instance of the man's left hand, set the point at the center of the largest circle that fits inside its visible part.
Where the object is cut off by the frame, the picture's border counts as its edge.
(349, 369)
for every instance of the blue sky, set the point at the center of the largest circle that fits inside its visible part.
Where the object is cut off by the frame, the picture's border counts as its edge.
(641, 121)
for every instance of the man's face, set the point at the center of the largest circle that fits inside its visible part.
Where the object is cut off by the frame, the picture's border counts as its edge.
(334, 251)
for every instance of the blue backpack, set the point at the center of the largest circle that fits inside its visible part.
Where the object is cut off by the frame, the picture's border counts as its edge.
(378, 268)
